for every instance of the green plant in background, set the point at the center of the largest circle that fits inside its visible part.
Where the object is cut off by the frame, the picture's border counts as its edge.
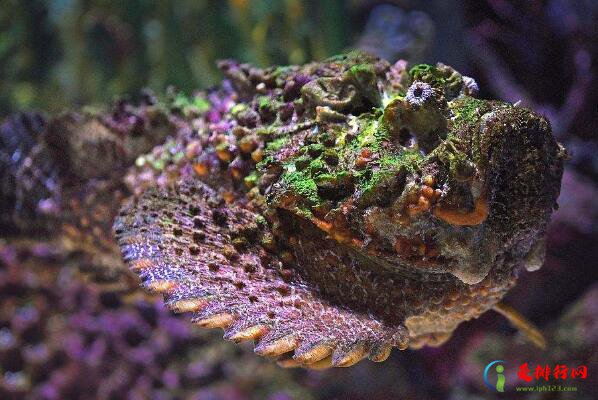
(58, 53)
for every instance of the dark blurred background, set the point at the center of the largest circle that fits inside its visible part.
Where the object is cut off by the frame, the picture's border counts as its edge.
(61, 54)
(58, 54)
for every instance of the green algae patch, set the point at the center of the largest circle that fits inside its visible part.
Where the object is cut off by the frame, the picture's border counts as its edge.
(251, 180)
(364, 77)
(303, 185)
(265, 104)
(238, 109)
(408, 159)
(372, 135)
(201, 104)
(194, 105)
(426, 73)
(467, 110)
(277, 144)
(317, 167)
(388, 172)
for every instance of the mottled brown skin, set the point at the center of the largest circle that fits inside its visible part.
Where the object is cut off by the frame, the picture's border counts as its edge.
(371, 208)
(330, 211)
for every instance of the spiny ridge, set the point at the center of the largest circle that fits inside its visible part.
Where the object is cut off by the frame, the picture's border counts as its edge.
(184, 242)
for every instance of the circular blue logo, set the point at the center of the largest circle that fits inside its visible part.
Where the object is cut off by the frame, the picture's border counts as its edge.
(500, 381)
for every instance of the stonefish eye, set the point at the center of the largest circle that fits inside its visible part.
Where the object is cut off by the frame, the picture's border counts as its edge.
(419, 94)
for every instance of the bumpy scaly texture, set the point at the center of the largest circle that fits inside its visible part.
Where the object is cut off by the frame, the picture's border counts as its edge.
(335, 210)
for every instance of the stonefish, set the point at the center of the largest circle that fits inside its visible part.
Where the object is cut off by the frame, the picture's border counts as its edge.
(343, 208)
(332, 211)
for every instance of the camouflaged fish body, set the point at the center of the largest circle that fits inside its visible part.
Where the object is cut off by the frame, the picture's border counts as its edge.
(336, 210)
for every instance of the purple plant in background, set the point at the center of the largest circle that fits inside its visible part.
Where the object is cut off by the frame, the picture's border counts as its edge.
(61, 338)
